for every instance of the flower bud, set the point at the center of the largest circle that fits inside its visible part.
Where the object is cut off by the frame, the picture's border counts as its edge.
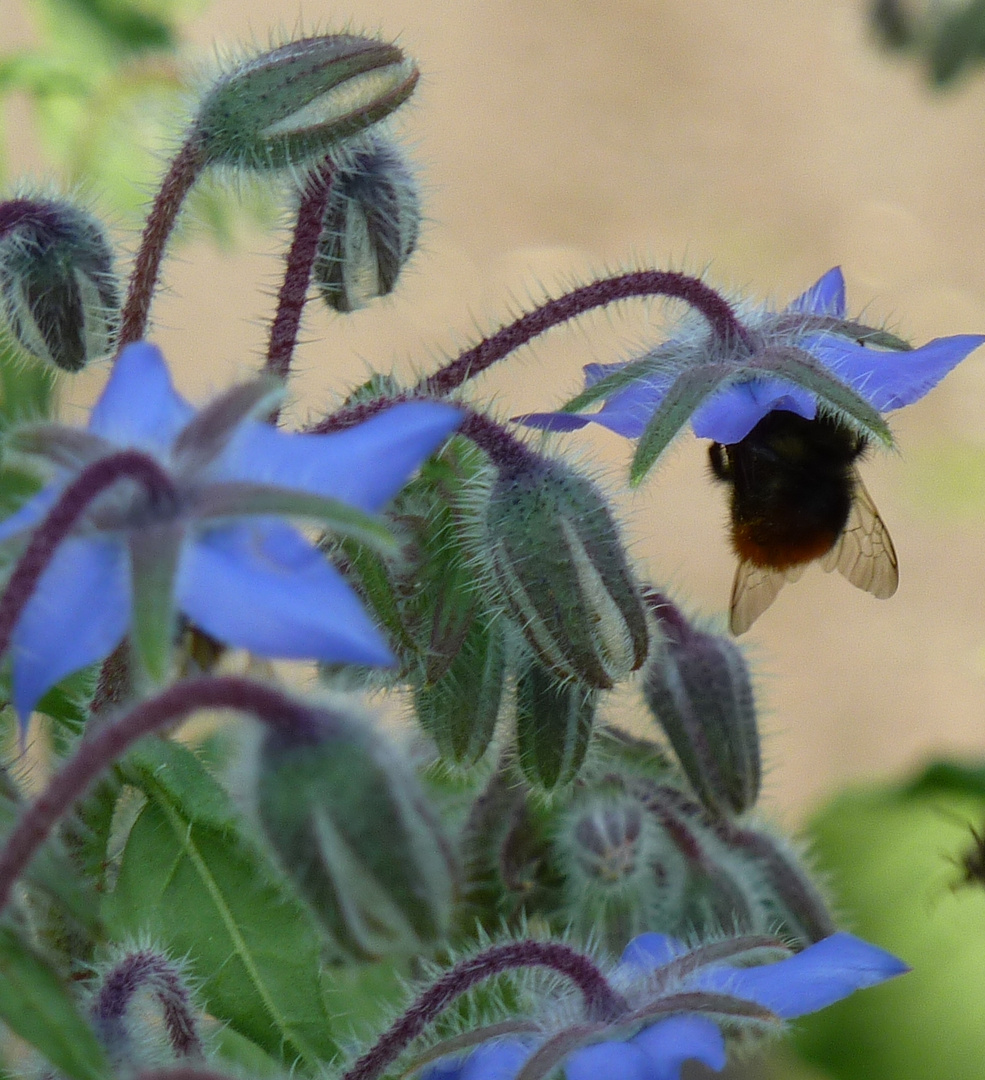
(59, 295)
(352, 829)
(624, 874)
(460, 710)
(697, 686)
(562, 573)
(369, 229)
(553, 726)
(294, 103)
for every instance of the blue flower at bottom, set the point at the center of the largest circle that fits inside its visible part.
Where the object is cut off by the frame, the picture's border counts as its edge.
(814, 323)
(234, 566)
(822, 974)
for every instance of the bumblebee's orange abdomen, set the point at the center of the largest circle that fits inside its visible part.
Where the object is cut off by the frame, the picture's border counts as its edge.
(772, 546)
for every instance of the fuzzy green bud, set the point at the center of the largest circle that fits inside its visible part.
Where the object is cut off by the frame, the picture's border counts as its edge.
(353, 830)
(59, 294)
(294, 103)
(459, 711)
(697, 686)
(554, 720)
(563, 574)
(369, 229)
(623, 872)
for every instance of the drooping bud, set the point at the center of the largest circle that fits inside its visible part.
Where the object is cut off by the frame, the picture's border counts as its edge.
(59, 294)
(697, 686)
(370, 226)
(562, 572)
(460, 710)
(352, 828)
(554, 721)
(294, 103)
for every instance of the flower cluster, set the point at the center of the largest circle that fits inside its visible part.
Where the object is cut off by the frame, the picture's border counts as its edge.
(486, 576)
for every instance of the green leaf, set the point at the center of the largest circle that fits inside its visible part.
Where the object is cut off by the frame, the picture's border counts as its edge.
(190, 878)
(36, 1005)
(950, 777)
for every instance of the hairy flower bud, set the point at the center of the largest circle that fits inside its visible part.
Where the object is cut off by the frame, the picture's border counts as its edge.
(697, 686)
(294, 103)
(459, 711)
(562, 572)
(624, 873)
(554, 722)
(352, 828)
(369, 229)
(59, 294)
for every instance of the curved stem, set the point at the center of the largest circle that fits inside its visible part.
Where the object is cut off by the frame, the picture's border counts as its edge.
(181, 176)
(297, 277)
(60, 520)
(108, 743)
(691, 290)
(601, 1001)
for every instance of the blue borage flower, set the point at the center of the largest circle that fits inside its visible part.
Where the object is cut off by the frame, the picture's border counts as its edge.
(816, 324)
(649, 971)
(231, 562)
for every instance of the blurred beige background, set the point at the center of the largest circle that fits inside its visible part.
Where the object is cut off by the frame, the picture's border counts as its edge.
(764, 140)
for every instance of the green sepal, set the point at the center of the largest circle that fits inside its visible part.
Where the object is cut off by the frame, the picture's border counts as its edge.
(35, 1004)
(154, 554)
(459, 711)
(237, 499)
(554, 721)
(190, 877)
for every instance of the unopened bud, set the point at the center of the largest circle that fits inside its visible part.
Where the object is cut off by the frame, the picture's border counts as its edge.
(369, 229)
(554, 721)
(352, 828)
(624, 874)
(563, 574)
(292, 104)
(59, 295)
(459, 711)
(697, 686)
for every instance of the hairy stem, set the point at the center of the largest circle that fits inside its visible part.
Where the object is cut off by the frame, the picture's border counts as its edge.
(107, 744)
(71, 505)
(691, 290)
(185, 169)
(601, 1001)
(297, 277)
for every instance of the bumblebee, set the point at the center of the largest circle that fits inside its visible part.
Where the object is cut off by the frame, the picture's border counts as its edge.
(797, 497)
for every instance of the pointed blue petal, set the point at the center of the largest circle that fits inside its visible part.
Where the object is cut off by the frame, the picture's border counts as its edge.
(890, 380)
(364, 466)
(609, 1061)
(825, 297)
(139, 406)
(646, 952)
(262, 586)
(77, 615)
(449, 1068)
(31, 514)
(813, 979)
(500, 1060)
(730, 414)
(670, 1043)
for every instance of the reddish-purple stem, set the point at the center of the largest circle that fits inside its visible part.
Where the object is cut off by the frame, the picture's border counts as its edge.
(109, 742)
(691, 290)
(184, 171)
(61, 519)
(601, 1001)
(297, 277)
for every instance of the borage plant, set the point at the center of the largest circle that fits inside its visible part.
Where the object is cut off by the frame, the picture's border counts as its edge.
(524, 887)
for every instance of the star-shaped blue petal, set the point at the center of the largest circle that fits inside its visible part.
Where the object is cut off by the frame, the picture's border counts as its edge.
(248, 579)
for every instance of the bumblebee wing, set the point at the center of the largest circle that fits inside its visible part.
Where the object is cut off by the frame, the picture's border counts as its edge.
(864, 552)
(754, 589)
